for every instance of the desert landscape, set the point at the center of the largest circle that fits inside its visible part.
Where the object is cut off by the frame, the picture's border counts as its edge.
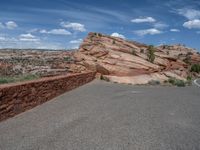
(99, 75)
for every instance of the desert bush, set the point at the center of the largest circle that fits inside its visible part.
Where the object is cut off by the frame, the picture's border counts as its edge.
(104, 78)
(150, 53)
(195, 68)
(142, 51)
(180, 83)
(133, 51)
(113, 42)
(177, 82)
(154, 82)
(189, 80)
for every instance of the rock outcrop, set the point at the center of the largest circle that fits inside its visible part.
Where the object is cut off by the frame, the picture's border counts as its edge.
(125, 61)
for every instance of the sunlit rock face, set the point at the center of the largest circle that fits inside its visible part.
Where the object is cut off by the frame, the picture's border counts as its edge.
(127, 61)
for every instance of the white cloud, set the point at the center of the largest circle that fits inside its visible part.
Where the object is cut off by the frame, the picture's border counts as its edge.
(76, 41)
(28, 38)
(74, 26)
(190, 14)
(143, 20)
(174, 30)
(192, 24)
(56, 32)
(118, 35)
(11, 25)
(151, 31)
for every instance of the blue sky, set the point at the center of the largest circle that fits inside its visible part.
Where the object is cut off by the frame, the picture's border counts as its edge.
(57, 24)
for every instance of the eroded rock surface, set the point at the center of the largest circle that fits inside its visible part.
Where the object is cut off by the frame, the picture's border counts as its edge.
(125, 61)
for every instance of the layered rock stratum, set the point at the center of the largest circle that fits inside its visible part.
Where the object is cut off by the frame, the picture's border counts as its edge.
(125, 61)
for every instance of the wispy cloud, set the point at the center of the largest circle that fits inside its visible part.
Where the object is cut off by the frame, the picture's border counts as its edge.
(151, 31)
(27, 41)
(74, 26)
(28, 38)
(174, 30)
(56, 32)
(143, 20)
(78, 41)
(189, 13)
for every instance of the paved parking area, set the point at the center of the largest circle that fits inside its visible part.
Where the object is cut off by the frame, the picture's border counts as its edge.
(108, 116)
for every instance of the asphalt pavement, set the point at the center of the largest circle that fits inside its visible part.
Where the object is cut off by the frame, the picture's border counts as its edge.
(109, 116)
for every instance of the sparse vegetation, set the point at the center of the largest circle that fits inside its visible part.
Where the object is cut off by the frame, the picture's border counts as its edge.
(154, 82)
(150, 53)
(113, 42)
(142, 51)
(68, 59)
(4, 80)
(195, 68)
(189, 53)
(187, 60)
(189, 80)
(133, 51)
(177, 82)
(99, 34)
(104, 78)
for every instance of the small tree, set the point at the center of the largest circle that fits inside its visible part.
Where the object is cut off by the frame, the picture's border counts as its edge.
(150, 53)
(195, 68)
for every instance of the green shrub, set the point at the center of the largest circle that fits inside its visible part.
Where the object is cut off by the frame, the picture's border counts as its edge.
(195, 68)
(177, 82)
(172, 81)
(113, 42)
(180, 83)
(150, 53)
(189, 80)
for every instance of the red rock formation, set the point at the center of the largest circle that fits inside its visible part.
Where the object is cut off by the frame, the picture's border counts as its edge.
(114, 56)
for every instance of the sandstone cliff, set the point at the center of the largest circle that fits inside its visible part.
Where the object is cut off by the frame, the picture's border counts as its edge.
(125, 61)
